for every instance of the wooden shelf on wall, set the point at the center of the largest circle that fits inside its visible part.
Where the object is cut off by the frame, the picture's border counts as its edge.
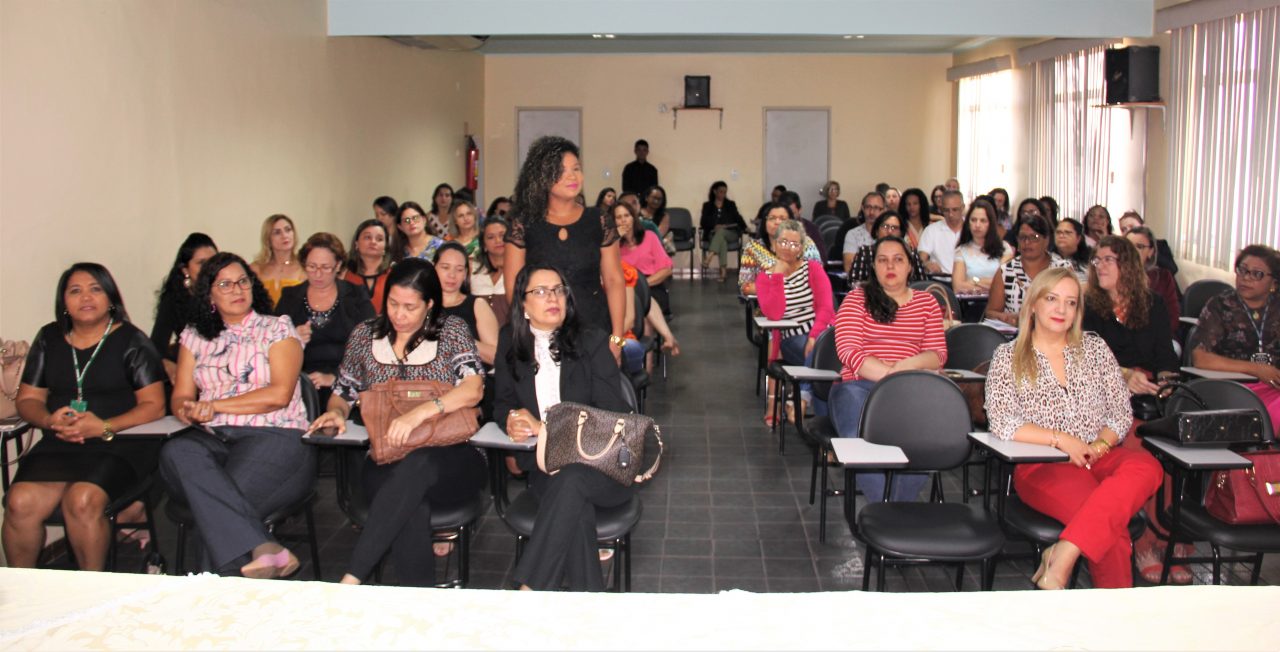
(1132, 105)
(675, 113)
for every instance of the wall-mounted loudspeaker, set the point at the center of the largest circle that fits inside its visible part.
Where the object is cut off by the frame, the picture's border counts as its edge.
(1133, 74)
(697, 91)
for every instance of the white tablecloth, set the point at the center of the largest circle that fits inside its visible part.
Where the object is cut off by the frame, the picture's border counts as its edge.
(79, 610)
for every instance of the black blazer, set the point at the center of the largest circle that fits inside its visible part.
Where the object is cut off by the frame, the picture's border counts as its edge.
(1150, 347)
(592, 378)
(728, 214)
(325, 350)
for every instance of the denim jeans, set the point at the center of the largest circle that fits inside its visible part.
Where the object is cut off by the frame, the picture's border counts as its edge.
(792, 350)
(632, 356)
(845, 404)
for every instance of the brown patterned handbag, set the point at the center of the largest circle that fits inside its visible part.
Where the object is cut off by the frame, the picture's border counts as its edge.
(383, 402)
(610, 442)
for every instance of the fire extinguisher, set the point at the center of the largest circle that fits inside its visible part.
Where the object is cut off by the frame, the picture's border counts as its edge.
(473, 164)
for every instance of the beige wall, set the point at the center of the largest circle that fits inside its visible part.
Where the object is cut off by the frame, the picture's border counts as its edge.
(875, 135)
(126, 124)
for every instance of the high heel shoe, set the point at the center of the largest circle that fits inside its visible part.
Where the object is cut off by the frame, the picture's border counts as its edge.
(1041, 578)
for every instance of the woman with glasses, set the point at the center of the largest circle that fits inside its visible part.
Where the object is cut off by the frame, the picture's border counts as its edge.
(757, 254)
(1159, 279)
(1069, 243)
(889, 223)
(1011, 281)
(324, 309)
(419, 241)
(546, 357)
(980, 251)
(1240, 329)
(1026, 208)
(238, 379)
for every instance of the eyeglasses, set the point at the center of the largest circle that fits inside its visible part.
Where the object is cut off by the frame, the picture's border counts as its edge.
(320, 268)
(559, 291)
(227, 287)
(891, 228)
(1251, 274)
(1099, 261)
(1034, 237)
(412, 219)
(790, 244)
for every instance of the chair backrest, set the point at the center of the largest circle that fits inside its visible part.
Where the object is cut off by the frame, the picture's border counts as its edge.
(829, 230)
(969, 345)
(1222, 395)
(680, 222)
(944, 289)
(310, 397)
(824, 220)
(1189, 346)
(629, 393)
(642, 304)
(824, 357)
(924, 414)
(1199, 293)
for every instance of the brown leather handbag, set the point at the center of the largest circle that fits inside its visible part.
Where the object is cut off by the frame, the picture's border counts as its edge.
(1247, 496)
(609, 442)
(383, 402)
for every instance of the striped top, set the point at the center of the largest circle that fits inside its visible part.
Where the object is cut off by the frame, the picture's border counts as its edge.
(916, 327)
(236, 363)
(1017, 282)
(799, 297)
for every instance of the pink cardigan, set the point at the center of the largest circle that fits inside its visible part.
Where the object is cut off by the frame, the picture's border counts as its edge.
(649, 257)
(773, 302)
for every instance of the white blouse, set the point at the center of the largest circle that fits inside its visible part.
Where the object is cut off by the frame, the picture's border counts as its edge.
(546, 382)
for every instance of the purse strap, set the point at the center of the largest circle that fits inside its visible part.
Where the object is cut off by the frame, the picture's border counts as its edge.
(647, 475)
(1166, 394)
(940, 295)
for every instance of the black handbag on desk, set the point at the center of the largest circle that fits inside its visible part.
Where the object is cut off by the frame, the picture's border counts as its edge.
(1207, 427)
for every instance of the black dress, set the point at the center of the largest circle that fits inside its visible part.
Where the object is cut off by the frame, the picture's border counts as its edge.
(328, 341)
(172, 315)
(577, 256)
(127, 363)
(466, 311)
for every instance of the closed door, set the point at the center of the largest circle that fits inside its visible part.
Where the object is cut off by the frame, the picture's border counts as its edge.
(797, 151)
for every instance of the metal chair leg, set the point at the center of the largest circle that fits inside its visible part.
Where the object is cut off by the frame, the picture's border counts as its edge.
(1257, 570)
(866, 570)
(960, 577)
(314, 540)
(464, 555)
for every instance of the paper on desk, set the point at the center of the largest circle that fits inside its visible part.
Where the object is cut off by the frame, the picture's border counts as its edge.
(1000, 326)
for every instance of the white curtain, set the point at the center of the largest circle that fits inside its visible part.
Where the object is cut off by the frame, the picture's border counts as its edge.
(984, 133)
(1224, 112)
(1080, 152)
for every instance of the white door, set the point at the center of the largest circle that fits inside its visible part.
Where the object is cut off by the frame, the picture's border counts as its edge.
(797, 152)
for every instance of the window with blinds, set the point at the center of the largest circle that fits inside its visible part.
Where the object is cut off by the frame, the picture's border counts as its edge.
(984, 133)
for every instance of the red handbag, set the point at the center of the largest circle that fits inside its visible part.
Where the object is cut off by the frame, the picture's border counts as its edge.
(1247, 496)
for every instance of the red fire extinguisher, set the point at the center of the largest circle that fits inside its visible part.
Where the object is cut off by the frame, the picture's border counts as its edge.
(473, 164)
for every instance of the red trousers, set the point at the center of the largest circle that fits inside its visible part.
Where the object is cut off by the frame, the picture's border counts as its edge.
(1096, 505)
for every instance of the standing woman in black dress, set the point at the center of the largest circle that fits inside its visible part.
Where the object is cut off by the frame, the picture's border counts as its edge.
(549, 228)
(89, 374)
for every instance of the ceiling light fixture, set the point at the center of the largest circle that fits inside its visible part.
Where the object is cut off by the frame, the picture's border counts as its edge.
(608, 36)
(861, 36)
(596, 36)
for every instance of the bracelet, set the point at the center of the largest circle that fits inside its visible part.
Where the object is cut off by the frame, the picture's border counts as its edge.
(1103, 446)
(617, 341)
(108, 433)
(1053, 441)
(439, 404)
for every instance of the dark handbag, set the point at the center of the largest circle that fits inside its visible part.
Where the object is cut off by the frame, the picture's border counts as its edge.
(1218, 428)
(383, 402)
(975, 395)
(1247, 496)
(609, 442)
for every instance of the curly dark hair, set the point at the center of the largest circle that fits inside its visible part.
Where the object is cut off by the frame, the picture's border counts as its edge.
(1050, 206)
(565, 337)
(414, 274)
(1267, 255)
(104, 280)
(636, 237)
(1131, 284)
(762, 217)
(881, 306)
(924, 206)
(208, 323)
(601, 195)
(174, 288)
(543, 166)
(992, 245)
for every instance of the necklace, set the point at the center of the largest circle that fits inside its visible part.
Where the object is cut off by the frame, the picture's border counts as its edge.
(79, 404)
(1259, 323)
(319, 318)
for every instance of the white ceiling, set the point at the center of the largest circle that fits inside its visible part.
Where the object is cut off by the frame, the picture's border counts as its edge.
(723, 26)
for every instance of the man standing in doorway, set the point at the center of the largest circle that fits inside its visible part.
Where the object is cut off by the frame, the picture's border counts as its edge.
(938, 242)
(639, 175)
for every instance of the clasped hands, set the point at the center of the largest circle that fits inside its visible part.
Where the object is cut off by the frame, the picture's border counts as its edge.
(521, 425)
(75, 427)
(1082, 454)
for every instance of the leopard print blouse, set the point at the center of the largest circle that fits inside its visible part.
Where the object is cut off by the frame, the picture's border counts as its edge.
(1095, 395)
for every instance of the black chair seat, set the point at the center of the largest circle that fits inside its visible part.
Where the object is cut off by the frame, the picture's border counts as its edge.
(821, 430)
(775, 369)
(940, 532)
(456, 516)
(1040, 528)
(1202, 526)
(611, 523)
(640, 379)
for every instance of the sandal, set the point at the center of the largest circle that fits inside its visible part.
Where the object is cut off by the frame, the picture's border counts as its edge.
(443, 545)
(269, 566)
(606, 554)
(141, 535)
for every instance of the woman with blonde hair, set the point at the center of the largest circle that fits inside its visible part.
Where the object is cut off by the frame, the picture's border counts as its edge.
(464, 226)
(1058, 386)
(276, 264)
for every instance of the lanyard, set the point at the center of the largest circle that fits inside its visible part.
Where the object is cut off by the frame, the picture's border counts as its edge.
(75, 360)
(1257, 325)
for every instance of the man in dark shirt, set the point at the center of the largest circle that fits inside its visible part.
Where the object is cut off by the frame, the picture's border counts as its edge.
(639, 175)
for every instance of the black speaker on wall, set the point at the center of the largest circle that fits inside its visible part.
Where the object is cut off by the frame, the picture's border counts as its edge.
(1133, 74)
(697, 91)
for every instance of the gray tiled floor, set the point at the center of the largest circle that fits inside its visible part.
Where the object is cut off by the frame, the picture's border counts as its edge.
(726, 511)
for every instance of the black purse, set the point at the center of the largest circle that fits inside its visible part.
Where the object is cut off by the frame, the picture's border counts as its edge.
(1209, 428)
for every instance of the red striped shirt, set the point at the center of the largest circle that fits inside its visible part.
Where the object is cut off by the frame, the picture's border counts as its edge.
(916, 327)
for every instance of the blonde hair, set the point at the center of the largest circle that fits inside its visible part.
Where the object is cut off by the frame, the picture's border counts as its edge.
(826, 188)
(1024, 351)
(452, 228)
(264, 254)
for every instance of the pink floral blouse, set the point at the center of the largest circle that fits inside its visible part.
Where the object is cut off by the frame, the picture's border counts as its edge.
(236, 362)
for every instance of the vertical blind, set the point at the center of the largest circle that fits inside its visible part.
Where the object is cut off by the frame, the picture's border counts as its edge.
(1225, 137)
(984, 132)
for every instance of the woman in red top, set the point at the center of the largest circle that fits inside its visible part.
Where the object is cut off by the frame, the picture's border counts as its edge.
(882, 328)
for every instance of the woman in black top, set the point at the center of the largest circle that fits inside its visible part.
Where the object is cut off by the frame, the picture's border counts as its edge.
(455, 281)
(831, 203)
(324, 309)
(175, 297)
(89, 375)
(719, 214)
(549, 227)
(547, 347)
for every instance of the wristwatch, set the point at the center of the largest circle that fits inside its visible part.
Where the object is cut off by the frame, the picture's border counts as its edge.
(617, 341)
(108, 433)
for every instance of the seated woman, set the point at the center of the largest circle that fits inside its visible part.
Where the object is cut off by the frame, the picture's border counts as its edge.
(1069, 244)
(915, 212)
(499, 207)
(455, 275)
(437, 221)
(174, 308)
(277, 263)
(882, 328)
(889, 223)
(387, 212)
(486, 269)
(324, 309)
(979, 252)
(1159, 279)
(757, 253)
(1097, 223)
(831, 203)
(1240, 330)
(1014, 277)
(1026, 208)
(719, 215)
(1057, 386)
(413, 339)
(606, 198)
(633, 352)
(547, 357)
(89, 374)
(238, 376)
(463, 227)
(369, 261)
(798, 290)
(639, 248)
(419, 242)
